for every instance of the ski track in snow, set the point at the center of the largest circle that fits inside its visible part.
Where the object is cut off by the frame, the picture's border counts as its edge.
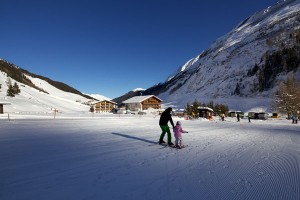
(119, 158)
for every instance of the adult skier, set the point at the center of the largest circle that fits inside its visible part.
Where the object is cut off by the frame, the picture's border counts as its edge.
(163, 123)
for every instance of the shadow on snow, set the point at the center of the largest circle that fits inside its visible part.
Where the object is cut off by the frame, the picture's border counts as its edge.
(135, 138)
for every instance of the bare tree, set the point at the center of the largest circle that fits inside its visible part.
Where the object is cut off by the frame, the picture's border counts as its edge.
(287, 97)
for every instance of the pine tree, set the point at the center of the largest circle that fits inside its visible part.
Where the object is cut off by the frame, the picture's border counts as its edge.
(220, 109)
(211, 104)
(16, 88)
(192, 109)
(195, 107)
(188, 109)
(237, 90)
(10, 91)
(92, 109)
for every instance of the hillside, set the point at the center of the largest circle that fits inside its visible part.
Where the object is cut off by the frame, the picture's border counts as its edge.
(244, 67)
(37, 95)
(18, 74)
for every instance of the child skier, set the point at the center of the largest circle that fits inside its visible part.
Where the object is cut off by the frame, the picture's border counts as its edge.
(177, 133)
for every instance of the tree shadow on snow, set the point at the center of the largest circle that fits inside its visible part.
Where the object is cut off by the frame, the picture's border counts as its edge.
(135, 138)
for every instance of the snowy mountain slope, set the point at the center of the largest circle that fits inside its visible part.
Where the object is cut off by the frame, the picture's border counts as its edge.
(99, 97)
(234, 68)
(31, 100)
(128, 95)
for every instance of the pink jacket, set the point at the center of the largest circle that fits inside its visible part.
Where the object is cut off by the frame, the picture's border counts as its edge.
(178, 130)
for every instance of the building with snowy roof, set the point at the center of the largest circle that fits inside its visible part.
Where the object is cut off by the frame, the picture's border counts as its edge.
(205, 112)
(139, 103)
(105, 106)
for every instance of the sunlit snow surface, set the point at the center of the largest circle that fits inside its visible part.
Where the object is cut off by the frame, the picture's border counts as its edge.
(116, 157)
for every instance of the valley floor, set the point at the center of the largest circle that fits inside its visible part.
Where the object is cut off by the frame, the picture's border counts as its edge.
(117, 157)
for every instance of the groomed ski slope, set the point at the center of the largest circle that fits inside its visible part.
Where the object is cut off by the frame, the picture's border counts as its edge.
(113, 157)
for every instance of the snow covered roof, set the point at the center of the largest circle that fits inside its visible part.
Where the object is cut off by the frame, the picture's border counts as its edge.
(138, 99)
(205, 108)
(107, 101)
(5, 103)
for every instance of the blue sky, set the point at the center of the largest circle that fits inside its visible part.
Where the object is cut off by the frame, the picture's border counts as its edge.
(110, 47)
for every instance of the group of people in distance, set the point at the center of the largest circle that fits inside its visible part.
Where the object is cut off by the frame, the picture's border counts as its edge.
(177, 129)
(294, 119)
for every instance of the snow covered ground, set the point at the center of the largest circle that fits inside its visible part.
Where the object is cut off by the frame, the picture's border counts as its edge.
(112, 157)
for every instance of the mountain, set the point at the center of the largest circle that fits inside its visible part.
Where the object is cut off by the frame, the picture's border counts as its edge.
(128, 95)
(244, 67)
(39, 94)
(98, 97)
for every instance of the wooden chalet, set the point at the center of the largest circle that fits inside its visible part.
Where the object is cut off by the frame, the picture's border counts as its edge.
(139, 103)
(105, 106)
(205, 112)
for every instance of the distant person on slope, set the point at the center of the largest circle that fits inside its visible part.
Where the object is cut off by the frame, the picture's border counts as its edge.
(163, 123)
(223, 117)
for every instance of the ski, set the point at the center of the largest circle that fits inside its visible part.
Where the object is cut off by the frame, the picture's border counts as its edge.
(171, 146)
